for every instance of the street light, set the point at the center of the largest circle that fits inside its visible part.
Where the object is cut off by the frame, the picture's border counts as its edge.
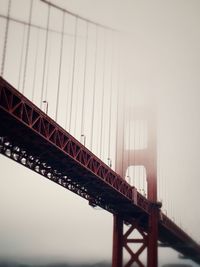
(84, 139)
(109, 162)
(47, 105)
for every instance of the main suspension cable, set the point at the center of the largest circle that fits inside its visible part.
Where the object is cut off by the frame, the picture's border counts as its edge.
(78, 16)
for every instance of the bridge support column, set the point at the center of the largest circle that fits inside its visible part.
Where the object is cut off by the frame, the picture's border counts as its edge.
(117, 256)
(135, 241)
(152, 249)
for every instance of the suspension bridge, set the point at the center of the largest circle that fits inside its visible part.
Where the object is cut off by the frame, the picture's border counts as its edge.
(66, 113)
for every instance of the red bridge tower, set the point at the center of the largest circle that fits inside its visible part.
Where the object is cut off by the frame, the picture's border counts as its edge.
(125, 239)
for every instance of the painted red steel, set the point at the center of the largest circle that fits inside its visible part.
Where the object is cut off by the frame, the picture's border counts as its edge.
(30, 137)
(117, 255)
(142, 241)
(146, 158)
(123, 241)
(48, 133)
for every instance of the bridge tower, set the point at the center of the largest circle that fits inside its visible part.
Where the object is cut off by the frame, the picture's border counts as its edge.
(146, 157)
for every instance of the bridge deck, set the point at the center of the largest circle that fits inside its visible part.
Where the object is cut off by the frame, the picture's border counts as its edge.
(33, 139)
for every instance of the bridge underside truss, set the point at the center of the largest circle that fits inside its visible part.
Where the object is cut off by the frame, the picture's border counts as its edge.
(29, 137)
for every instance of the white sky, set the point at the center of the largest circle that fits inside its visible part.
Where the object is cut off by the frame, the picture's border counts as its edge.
(42, 220)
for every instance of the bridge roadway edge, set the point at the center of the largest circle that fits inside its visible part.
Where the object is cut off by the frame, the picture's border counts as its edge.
(69, 164)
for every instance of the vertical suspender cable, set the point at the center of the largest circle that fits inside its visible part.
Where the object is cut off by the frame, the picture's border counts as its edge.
(144, 142)
(94, 88)
(139, 144)
(110, 102)
(73, 72)
(134, 148)
(35, 65)
(129, 144)
(27, 45)
(5, 39)
(45, 56)
(60, 65)
(123, 127)
(68, 92)
(84, 82)
(167, 192)
(142, 147)
(165, 189)
(102, 100)
(135, 183)
(76, 115)
(21, 56)
(117, 106)
(158, 168)
(47, 69)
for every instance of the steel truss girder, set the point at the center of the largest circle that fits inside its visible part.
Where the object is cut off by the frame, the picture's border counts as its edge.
(39, 166)
(26, 113)
(18, 109)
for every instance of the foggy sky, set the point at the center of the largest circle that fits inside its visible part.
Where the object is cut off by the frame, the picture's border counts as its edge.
(40, 220)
